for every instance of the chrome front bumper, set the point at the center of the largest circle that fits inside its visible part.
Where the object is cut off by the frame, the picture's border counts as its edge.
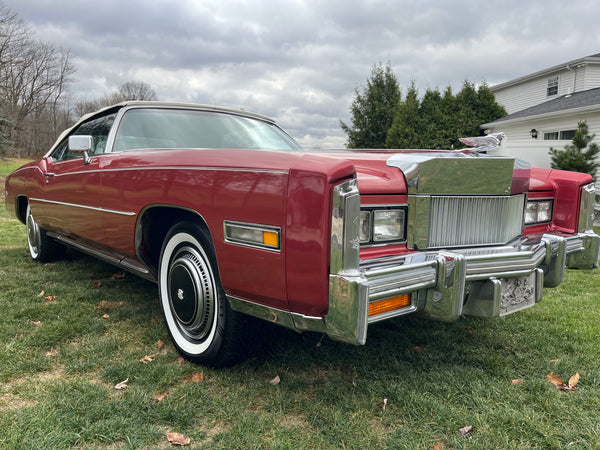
(484, 282)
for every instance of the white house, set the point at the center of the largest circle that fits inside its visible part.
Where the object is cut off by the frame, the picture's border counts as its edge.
(545, 107)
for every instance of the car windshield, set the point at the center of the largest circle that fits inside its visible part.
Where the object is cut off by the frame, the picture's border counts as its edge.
(179, 128)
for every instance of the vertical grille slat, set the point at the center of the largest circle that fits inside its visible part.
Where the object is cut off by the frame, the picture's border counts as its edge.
(474, 220)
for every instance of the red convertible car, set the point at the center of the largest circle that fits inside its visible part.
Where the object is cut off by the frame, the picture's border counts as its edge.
(232, 218)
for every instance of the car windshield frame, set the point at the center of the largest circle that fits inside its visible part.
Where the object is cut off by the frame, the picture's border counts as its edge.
(178, 128)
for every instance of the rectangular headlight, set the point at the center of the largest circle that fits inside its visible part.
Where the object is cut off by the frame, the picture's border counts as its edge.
(388, 225)
(365, 226)
(538, 211)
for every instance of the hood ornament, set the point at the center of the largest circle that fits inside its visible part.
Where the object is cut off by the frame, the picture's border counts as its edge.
(484, 143)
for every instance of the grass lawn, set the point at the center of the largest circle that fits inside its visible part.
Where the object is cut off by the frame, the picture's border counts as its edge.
(72, 330)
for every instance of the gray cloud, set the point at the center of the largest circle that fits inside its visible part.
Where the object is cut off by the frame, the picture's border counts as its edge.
(300, 61)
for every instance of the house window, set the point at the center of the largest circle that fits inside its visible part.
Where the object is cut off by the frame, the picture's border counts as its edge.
(552, 136)
(552, 86)
(567, 135)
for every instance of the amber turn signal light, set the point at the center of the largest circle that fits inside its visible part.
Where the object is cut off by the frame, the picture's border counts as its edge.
(389, 304)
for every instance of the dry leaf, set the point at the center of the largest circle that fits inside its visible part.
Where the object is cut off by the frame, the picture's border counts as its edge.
(148, 358)
(122, 385)
(517, 381)
(466, 431)
(555, 360)
(554, 379)
(160, 344)
(560, 384)
(275, 381)
(50, 297)
(41, 294)
(418, 348)
(48, 283)
(470, 330)
(118, 276)
(36, 322)
(180, 360)
(438, 445)
(574, 380)
(384, 403)
(160, 397)
(97, 284)
(178, 439)
(198, 377)
(53, 352)
(105, 316)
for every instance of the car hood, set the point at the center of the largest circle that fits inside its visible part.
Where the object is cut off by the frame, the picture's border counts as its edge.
(435, 172)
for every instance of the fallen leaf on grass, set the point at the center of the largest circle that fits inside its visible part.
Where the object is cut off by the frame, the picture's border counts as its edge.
(118, 276)
(384, 403)
(196, 378)
(466, 431)
(48, 283)
(178, 439)
(574, 380)
(122, 385)
(555, 360)
(148, 358)
(36, 322)
(97, 284)
(180, 360)
(105, 316)
(560, 384)
(418, 348)
(438, 446)
(160, 397)
(517, 381)
(51, 353)
(275, 381)
(160, 344)
(41, 294)
(50, 297)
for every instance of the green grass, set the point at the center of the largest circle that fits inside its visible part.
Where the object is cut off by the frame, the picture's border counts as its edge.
(61, 357)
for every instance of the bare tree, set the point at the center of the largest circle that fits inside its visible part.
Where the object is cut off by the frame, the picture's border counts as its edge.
(130, 90)
(33, 80)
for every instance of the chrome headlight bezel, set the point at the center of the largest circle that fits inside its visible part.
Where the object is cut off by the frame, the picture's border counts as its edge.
(538, 211)
(376, 217)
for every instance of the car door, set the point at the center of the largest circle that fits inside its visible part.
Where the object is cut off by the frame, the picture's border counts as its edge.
(72, 195)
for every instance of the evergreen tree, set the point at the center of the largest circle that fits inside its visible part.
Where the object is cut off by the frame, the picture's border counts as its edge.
(575, 157)
(406, 129)
(373, 109)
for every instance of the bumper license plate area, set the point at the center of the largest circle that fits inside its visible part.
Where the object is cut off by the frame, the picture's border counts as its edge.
(517, 293)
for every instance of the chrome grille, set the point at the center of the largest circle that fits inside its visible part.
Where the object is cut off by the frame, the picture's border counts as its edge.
(474, 220)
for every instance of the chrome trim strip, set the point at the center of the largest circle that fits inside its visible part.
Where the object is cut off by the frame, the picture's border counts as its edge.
(286, 319)
(123, 262)
(203, 169)
(94, 208)
(586, 208)
(345, 223)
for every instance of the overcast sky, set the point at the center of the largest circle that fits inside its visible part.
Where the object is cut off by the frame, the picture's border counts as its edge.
(300, 61)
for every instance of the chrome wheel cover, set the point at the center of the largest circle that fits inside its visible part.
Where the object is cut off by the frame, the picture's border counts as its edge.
(33, 235)
(191, 292)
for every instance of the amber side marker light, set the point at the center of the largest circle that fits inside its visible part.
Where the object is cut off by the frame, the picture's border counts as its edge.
(270, 238)
(389, 304)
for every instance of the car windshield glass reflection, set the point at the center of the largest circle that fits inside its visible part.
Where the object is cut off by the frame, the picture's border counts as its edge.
(153, 128)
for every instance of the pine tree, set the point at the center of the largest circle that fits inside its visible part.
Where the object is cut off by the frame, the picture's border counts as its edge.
(373, 109)
(406, 130)
(575, 157)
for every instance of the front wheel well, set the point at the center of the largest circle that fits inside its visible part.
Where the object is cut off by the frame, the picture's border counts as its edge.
(153, 225)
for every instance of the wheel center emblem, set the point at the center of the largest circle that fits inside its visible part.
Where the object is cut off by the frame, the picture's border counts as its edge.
(180, 294)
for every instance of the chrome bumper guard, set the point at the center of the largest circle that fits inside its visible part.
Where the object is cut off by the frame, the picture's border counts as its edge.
(484, 282)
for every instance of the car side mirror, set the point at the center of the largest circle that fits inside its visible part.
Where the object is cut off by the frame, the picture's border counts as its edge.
(81, 144)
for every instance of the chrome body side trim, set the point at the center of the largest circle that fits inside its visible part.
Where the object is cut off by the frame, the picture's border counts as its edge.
(123, 262)
(75, 205)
